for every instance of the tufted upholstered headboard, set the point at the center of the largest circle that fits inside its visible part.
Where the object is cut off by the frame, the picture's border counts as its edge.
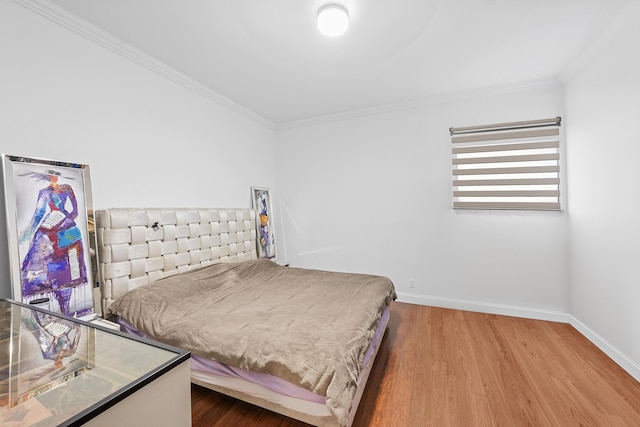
(138, 246)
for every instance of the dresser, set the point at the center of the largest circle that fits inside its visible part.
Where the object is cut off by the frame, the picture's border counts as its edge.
(56, 370)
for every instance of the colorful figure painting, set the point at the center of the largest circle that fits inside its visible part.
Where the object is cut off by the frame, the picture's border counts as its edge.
(52, 235)
(266, 238)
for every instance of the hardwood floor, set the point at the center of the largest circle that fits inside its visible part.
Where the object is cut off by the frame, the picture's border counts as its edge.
(440, 367)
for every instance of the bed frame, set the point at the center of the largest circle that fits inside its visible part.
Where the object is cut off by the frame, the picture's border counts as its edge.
(138, 246)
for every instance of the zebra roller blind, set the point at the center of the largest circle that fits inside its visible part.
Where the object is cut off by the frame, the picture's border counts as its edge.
(507, 166)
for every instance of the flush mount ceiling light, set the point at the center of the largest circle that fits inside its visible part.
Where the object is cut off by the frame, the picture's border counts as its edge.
(333, 20)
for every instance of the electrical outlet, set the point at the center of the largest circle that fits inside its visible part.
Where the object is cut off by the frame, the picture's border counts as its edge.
(412, 283)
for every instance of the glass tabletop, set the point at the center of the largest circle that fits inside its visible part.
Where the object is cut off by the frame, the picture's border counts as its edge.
(55, 369)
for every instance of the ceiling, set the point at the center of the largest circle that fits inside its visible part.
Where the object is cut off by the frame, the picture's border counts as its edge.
(269, 57)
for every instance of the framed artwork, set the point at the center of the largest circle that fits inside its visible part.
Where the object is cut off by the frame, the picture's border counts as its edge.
(49, 212)
(261, 203)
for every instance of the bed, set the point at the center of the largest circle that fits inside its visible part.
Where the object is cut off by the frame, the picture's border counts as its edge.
(299, 342)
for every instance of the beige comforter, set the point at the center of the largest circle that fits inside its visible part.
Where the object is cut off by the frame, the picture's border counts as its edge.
(309, 327)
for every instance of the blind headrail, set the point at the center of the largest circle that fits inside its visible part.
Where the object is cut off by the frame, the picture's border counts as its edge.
(506, 126)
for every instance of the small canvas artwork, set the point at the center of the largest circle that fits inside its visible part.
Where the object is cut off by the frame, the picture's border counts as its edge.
(48, 230)
(261, 203)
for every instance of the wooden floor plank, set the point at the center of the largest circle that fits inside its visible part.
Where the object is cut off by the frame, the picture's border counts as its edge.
(440, 367)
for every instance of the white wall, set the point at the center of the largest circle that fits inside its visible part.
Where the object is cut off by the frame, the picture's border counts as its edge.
(373, 194)
(369, 193)
(149, 141)
(603, 104)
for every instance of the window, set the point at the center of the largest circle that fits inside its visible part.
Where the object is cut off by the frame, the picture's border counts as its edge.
(507, 166)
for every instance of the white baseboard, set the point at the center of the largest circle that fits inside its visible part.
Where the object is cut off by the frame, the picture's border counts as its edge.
(530, 313)
(616, 355)
(484, 307)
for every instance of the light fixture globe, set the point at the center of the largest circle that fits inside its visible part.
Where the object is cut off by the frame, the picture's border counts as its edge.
(333, 20)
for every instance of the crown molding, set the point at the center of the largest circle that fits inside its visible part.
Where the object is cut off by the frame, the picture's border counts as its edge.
(430, 100)
(89, 31)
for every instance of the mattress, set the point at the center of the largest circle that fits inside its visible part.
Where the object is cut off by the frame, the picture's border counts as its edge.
(310, 328)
